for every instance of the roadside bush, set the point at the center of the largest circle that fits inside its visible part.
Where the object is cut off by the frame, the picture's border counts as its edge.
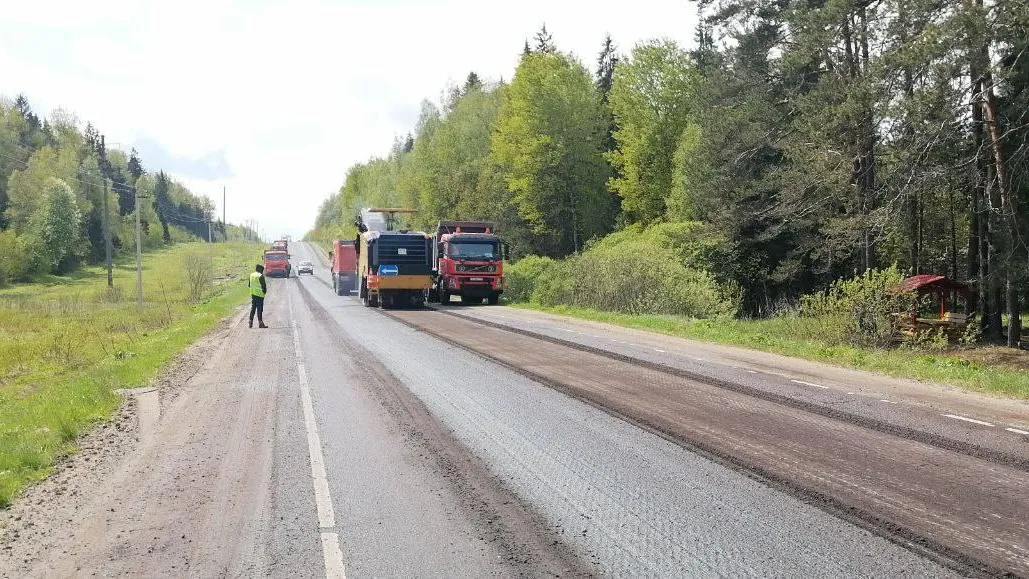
(199, 273)
(857, 311)
(629, 274)
(16, 261)
(523, 275)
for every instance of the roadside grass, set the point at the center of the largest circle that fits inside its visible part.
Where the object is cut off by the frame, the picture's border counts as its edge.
(784, 335)
(67, 343)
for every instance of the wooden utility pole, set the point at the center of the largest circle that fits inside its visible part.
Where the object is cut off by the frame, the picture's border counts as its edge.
(107, 227)
(139, 258)
(225, 225)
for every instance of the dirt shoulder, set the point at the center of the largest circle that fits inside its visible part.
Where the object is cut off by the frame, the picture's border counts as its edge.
(41, 517)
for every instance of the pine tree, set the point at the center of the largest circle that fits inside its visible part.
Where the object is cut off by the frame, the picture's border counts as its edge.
(605, 74)
(163, 203)
(544, 41)
(471, 83)
(606, 62)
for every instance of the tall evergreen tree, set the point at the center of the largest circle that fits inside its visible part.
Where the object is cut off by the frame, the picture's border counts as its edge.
(471, 83)
(163, 203)
(544, 41)
(607, 60)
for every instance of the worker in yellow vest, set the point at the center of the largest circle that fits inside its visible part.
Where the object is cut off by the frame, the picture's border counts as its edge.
(258, 289)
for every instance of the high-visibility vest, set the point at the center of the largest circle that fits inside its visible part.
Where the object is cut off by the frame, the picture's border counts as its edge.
(255, 284)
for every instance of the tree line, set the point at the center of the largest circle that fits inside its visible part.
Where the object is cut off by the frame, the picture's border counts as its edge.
(54, 178)
(805, 142)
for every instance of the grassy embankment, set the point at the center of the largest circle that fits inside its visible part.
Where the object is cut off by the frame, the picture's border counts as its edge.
(66, 343)
(1000, 371)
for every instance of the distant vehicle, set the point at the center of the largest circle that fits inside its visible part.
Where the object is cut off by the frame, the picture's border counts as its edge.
(305, 267)
(344, 266)
(468, 257)
(276, 263)
(395, 267)
(280, 245)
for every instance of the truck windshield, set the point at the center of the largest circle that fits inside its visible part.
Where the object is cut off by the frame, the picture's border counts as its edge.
(473, 250)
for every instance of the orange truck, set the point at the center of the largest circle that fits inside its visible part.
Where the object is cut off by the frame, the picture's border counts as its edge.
(276, 263)
(344, 266)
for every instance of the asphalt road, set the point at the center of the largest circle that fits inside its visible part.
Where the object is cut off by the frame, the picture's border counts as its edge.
(479, 441)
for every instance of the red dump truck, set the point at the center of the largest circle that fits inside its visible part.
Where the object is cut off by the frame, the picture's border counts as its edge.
(276, 263)
(469, 261)
(344, 266)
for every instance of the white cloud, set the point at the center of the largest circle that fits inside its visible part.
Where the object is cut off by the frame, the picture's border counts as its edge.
(293, 92)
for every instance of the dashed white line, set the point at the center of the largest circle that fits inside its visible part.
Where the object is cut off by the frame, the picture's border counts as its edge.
(752, 371)
(1017, 431)
(333, 556)
(967, 419)
(810, 384)
(889, 401)
(323, 500)
(659, 350)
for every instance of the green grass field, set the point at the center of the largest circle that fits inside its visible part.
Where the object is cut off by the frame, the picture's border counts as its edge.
(66, 343)
(996, 371)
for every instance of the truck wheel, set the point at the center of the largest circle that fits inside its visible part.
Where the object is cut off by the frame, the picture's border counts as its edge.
(444, 298)
(468, 300)
(493, 299)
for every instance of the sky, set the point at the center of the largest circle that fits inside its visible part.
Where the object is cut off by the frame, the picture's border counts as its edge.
(274, 100)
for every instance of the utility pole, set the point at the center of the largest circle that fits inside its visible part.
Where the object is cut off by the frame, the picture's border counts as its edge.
(208, 231)
(225, 225)
(107, 227)
(139, 257)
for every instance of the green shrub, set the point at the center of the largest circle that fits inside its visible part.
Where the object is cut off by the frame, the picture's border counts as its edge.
(522, 276)
(857, 311)
(16, 262)
(625, 273)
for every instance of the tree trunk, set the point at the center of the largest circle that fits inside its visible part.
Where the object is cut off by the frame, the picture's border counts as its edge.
(1014, 314)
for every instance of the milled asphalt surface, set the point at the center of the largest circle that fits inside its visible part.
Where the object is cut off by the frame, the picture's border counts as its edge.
(902, 403)
(625, 500)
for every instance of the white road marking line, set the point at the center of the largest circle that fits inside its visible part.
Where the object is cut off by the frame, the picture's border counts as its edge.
(323, 500)
(752, 371)
(889, 401)
(967, 419)
(659, 350)
(333, 556)
(810, 384)
(1017, 431)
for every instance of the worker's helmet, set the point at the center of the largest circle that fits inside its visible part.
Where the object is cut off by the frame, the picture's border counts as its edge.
(260, 268)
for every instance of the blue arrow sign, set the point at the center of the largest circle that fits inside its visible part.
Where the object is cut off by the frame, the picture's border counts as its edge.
(388, 270)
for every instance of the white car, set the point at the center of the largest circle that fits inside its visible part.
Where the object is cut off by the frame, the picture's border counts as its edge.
(305, 267)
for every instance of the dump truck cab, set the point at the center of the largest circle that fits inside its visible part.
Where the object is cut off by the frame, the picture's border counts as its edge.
(469, 262)
(276, 263)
